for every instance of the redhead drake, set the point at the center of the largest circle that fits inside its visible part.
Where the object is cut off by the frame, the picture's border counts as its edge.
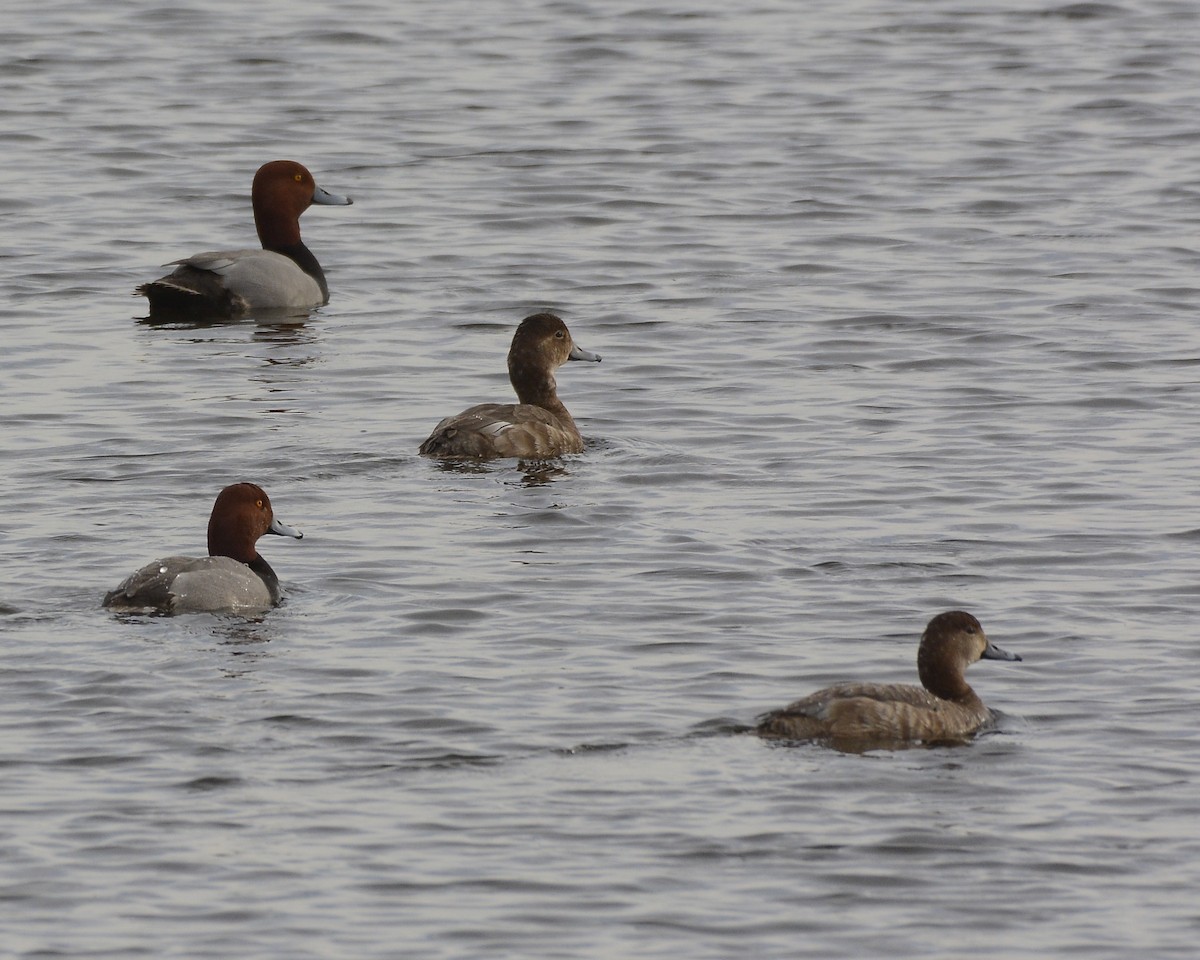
(946, 709)
(539, 426)
(232, 578)
(283, 274)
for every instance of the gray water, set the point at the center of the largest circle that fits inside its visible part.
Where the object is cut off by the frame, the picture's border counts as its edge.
(897, 304)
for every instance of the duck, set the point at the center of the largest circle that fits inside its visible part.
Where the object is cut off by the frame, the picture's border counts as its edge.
(284, 274)
(233, 578)
(538, 426)
(943, 709)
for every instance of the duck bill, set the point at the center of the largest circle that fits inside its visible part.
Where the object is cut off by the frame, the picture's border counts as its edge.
(281, 529)
(325, 198)
(993, 652)
(578, 353)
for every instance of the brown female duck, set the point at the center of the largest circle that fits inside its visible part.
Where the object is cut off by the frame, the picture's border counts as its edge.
(945, 708)
(536, 427)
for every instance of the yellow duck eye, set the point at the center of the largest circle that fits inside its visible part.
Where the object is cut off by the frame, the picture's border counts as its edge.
(258, 503)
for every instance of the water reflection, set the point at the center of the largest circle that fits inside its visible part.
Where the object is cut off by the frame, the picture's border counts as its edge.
(530, 473)
(540, 473)
(245, 640)
(464, 467)
(243, 631)
(289, 333)
(861, 747)
(284, 317)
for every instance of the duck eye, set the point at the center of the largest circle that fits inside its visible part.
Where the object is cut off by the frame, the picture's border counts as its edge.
(558, 334)
(299, 177)
(258, 503)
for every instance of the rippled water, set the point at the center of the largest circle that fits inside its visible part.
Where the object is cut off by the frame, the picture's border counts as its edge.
(897, 304)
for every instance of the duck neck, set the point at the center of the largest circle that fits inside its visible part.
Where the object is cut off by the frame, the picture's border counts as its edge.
(230, 541)
(538, 388)
(299, 254)
(263, 569)
(944, 678)
(303, 258)
(282, 235)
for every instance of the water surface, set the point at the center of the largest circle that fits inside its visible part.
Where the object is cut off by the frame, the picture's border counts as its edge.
(897, 308)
